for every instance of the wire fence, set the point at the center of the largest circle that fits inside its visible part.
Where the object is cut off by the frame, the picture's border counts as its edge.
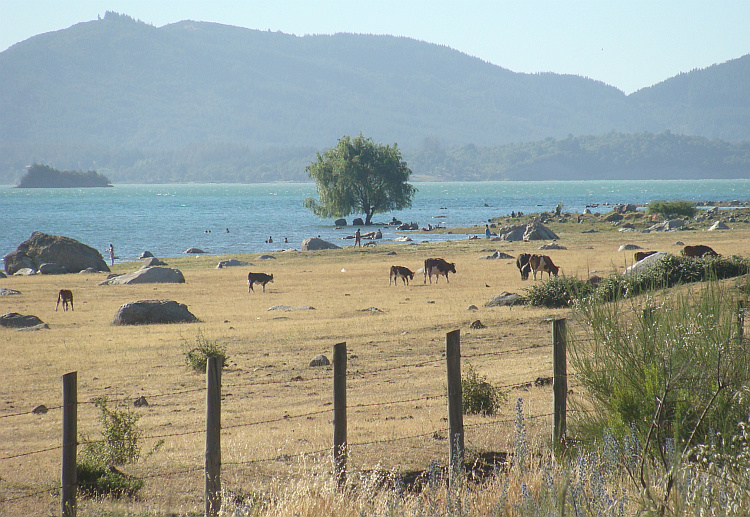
(437, 430)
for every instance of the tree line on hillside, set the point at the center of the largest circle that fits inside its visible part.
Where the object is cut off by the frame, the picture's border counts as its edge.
(610, 156)
(44, 176)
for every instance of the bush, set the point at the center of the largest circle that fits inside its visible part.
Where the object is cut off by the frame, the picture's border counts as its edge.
(479, 396)
(669, 209)
(673, 374)
(197, 357)
(559, 291)
(97, 474)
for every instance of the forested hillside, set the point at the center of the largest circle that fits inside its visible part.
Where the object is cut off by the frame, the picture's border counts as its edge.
(196, 101)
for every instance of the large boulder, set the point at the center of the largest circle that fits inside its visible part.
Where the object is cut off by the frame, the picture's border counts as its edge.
(646, 263)
(504, 299)
(153, 262)
(146, 312)
(18, 321)
(232, 263)
(315, 244)
(42, 248)
(667, 226)
(340, 222)
(52, 269)
(149, 275)
(533, 231)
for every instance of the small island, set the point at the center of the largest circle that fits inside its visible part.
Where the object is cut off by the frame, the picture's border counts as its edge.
(44, 176)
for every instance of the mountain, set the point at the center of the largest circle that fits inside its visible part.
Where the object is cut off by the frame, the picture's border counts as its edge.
(196, 101)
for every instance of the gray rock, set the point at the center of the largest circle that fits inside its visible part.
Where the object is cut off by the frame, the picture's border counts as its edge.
(17, 321)
(149, 275)
(320, 360)
(146, 312)
(472, 308)
(496, 255)
(666, 226)
(718, 225)
(552, 246)
(646, 263)
(613, 218)
(25, 271)
(290, 308)
(52, 269)
(357, 221)
(232, 263)
(629, 247)
(504, 299)
(41, 409)
(4, 291)
(3, 275)
(266, 257)
(152, 262)
(43, 248)
(41, 326)
(89, 270)
(193, 251)
(533, 231)
(315, 244)
(340, 222)
(146, 254)
(140, 402)
(477, 324)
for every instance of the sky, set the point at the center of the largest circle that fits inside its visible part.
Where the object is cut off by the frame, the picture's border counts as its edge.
(629, 44)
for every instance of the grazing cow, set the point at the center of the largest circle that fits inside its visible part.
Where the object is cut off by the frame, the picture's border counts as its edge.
(544, 264)
(640, 255)
(522, 261)
(698, 251)
(437, 267)
(258, 278)
(404, 273)
(66, 297)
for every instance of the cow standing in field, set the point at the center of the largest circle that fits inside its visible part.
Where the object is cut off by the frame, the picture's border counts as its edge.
(404, 273)
(258, 278)
(522, 262)
(437, 267)
(544, 264)
(66, 297)
(698, 251)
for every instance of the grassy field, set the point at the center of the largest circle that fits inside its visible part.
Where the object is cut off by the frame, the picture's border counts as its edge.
(276, 408)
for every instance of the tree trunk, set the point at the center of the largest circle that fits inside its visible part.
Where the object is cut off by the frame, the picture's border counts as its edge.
(368, 218)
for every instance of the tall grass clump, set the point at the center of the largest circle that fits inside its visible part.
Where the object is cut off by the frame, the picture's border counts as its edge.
(665, 378)
(201, 349)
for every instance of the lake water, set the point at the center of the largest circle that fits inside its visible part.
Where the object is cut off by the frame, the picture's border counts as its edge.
(168, 219)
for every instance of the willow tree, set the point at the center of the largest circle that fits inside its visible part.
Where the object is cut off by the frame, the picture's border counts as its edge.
(359, 176)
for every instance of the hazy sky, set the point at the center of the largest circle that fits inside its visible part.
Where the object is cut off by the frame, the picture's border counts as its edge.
(629, 44)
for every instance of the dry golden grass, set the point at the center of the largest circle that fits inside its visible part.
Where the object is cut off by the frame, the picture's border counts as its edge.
(276, 408)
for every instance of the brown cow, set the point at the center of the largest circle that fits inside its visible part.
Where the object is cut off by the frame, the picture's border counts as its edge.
(66, 297)
(522, 262)
(404, 273)
(437, 267)
(698, 251)
(544, 264)
(640, 255)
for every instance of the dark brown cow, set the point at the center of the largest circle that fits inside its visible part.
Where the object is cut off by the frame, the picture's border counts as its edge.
(66, 297)
(698, 251)
(640, 255)
(404, 273)
(522, 262)
(544, 264)
(258, 278)
(437, 267)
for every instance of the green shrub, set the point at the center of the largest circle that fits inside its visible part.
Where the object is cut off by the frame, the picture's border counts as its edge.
(670, 209)
(119, 445)
(197, 356)
(479, 396)
(559, 291)
(673, 374)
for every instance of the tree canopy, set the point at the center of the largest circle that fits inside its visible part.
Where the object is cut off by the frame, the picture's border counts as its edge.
(360, 176)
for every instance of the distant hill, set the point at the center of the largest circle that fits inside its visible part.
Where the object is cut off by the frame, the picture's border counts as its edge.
(196, 101)
(44, 176)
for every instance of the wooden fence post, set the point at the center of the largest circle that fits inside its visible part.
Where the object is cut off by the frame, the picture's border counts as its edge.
(70, 444)
(455, 402)
(339, 414)
(559, 382)
(740, 321)
(212, 492)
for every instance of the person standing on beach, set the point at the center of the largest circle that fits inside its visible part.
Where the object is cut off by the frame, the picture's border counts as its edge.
(111, 255)
(357, 238)
(487, 231)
